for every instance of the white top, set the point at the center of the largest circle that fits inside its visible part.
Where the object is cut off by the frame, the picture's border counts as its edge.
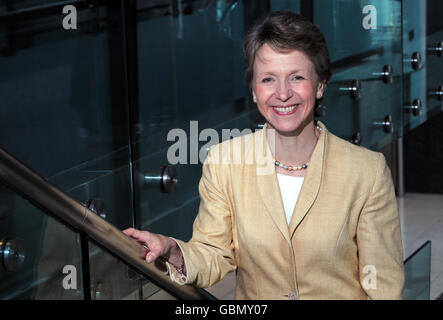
(290, 189)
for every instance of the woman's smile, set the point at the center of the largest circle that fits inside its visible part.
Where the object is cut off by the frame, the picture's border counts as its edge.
(285, 110)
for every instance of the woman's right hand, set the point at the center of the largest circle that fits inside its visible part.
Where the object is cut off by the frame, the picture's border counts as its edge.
(158, 246)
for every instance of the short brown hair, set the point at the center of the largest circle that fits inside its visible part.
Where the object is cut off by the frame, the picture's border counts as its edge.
(285, 30)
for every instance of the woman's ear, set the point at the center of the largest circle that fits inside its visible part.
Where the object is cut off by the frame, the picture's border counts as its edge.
(321, 89)
(254, 97)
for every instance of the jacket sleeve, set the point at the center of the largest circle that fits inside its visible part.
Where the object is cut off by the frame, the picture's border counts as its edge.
(379, 241)
(209, 255)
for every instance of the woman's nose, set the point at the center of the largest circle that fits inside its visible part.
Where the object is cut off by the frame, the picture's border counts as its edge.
(284, 91)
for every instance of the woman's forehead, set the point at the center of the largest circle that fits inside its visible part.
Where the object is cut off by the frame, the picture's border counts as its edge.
(269, 58)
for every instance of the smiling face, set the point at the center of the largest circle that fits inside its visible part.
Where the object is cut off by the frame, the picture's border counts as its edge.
(285, 87)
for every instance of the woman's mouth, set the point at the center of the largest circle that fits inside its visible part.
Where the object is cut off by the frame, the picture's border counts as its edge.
(285, 110)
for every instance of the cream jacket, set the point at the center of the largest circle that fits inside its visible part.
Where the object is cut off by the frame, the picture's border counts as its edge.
(344, 239)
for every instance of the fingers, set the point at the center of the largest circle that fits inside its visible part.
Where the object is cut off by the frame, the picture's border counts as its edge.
(145, 238)
(128, 231)
(136, 234)
(151, 256)
(140, 238)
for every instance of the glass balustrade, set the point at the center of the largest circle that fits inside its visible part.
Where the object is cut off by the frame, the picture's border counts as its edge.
(418, 274)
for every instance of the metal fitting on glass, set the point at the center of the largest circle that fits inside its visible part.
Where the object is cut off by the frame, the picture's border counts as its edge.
(387, 124)
(166, 180)
(415, 60)
(415, 107)
(356, 138)
(97, 206)
(437, 93)
(12, 255)
(354, 90)
(436, 48)
(386, 74)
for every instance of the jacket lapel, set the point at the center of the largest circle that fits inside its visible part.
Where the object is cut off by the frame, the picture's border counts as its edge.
(311, 183)
(268, 184)
(269, 188)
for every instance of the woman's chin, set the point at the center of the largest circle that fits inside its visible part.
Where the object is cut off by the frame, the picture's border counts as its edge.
(285, 128)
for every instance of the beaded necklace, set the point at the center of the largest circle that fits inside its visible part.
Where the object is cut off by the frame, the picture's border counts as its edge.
(293, 168)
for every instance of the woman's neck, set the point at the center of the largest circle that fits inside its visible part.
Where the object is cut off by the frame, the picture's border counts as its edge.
(296, 148)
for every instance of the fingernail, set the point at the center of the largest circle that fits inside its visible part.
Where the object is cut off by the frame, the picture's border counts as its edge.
(149, 259)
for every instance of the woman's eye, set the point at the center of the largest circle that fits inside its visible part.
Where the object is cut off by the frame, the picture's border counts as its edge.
(297, 78)
(267, 80)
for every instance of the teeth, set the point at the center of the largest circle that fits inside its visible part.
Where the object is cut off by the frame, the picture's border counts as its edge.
(286, 109)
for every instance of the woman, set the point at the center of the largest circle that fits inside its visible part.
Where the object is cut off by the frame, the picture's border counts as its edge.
(322, 222)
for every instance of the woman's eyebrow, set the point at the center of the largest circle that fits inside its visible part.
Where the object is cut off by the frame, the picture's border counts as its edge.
(267, 73)
(297, 70)
(273, 74)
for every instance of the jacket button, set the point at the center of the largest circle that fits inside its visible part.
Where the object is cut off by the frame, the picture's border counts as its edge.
(291, 296)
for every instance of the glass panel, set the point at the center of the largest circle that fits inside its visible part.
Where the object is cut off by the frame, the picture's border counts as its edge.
(160, 295)
(11, 6)
(51, 260)
(184, 89)
(111, 189)
(364, 42)
(418, 274)
(190, 78)
(64, 114)
(414, 42)
(112, 279)
(290, 5)
(434, 65)
(51, 268)
(59, 94)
